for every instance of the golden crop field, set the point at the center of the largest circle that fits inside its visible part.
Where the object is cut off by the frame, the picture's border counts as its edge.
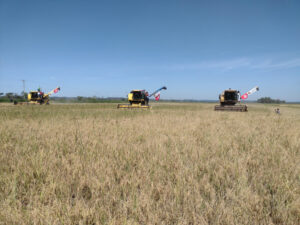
(178, 163)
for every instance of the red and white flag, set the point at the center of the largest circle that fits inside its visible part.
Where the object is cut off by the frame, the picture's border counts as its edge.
(244, 96)
(157, 96)
(253, 90)
(56, 90)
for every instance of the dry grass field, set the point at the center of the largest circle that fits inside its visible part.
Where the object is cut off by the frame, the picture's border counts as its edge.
(178, 163)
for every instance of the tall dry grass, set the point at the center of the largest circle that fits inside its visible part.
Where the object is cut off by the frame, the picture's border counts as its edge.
(174, 164)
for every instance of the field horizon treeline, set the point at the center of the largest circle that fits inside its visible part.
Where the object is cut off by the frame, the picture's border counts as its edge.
(10, 97)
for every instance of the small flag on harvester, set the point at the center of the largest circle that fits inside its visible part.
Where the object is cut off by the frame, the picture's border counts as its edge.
(244, 96)
(157, 96)
(56, 90)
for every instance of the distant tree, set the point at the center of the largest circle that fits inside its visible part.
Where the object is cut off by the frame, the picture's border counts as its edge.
(9, 95)
(79, 98)
(270, 100)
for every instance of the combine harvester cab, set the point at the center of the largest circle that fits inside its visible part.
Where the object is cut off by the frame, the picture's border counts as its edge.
(139, 99)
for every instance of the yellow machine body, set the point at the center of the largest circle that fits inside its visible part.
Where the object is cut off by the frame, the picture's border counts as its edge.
(35, 98)
(136, 99)
(38, 97)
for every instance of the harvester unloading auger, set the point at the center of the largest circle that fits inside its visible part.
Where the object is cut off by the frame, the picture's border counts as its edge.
(229, 99)
(38, 97)
(140, 98)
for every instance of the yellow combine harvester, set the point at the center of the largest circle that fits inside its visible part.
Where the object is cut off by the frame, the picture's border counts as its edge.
(140, 99)
(38, 97)
(228, 100)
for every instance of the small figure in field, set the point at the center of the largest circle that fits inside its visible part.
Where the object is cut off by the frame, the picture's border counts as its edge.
(277, 111)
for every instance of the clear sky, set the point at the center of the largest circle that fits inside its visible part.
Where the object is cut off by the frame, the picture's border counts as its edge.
(195, 48)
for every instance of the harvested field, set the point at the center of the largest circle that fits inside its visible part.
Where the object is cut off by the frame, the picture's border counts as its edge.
(178, 163)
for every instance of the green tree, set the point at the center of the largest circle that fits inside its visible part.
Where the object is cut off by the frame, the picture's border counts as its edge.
(270, 100)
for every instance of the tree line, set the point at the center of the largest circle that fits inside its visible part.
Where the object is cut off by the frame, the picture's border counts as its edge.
(270, 100)
(10, 97)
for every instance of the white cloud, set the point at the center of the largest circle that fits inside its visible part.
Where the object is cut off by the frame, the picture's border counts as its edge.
(269, 64)
(224, 65)
(236, 64)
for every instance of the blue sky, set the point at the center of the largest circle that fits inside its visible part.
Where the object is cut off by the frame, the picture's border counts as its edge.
(195, 48)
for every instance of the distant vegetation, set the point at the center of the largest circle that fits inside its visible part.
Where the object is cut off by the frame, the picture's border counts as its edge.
(10, 97)
(81, 99)
(270, 100)
(97, 99)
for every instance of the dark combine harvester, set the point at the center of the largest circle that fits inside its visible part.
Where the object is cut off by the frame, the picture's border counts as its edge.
(228, 101)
